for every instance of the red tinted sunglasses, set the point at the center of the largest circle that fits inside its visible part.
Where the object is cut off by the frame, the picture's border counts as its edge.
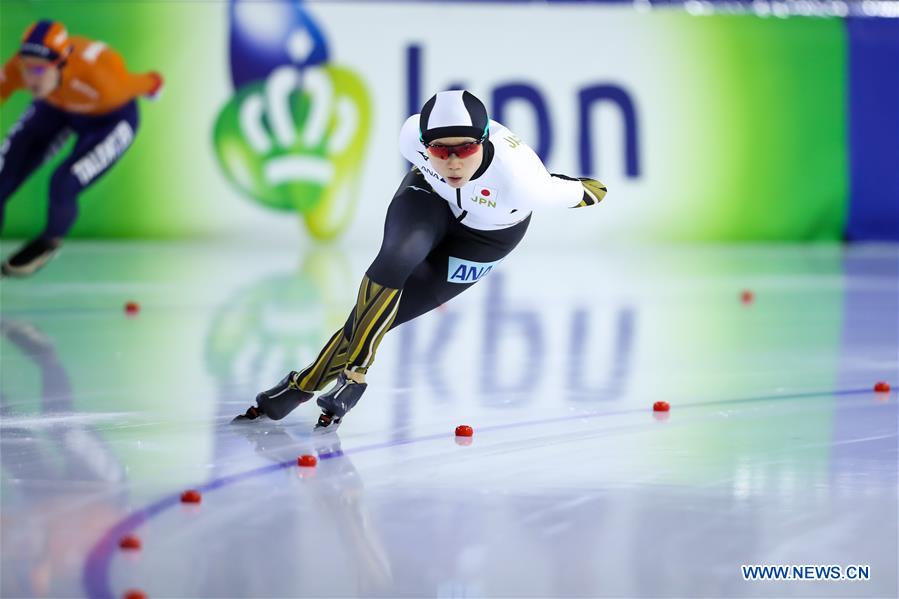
(462, 150)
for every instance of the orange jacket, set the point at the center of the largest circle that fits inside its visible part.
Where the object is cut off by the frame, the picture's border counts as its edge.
(94, 80)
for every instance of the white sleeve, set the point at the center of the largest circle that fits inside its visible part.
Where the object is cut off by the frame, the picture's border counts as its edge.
(538, 189)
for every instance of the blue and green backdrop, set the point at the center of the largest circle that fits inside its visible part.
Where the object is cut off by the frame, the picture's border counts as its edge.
(280, 118)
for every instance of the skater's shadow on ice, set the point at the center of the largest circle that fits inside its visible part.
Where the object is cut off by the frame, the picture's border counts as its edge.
(282, 444)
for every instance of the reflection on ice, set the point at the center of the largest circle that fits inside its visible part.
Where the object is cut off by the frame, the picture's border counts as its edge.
(775, 449)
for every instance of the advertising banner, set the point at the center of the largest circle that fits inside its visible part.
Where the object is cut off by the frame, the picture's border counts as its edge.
(279, 120)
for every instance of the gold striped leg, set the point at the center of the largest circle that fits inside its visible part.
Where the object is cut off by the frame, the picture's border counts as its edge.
(376, 308)
(337, 365)
(331, 358)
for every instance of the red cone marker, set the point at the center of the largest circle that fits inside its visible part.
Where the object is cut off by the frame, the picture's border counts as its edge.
(463, 430)
(191, 496)
(307, 461)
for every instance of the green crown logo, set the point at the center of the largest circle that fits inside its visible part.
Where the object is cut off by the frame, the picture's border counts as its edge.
(295, 142)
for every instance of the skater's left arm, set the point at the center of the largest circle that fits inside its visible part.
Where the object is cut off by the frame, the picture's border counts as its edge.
(538, 189)
(115, 82)
(559, 191)
(592, 191)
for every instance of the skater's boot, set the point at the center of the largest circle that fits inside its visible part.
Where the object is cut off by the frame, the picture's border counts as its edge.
(339, 400)
(279, 401)
(31, 257)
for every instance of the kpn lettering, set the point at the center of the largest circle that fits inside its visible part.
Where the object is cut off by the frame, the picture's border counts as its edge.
(466, 271)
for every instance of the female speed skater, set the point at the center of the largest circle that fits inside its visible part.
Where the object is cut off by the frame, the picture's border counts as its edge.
(79, 86)
(462, 208)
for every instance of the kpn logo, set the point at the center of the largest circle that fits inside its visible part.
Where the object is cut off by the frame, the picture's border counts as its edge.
(294, 134)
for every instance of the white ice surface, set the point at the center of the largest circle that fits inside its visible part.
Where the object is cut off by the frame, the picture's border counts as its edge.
(776, 451)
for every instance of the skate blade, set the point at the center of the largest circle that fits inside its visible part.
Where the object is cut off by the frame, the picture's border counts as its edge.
(28, 269)
(246, 417)
(326, 424)
(318, 431)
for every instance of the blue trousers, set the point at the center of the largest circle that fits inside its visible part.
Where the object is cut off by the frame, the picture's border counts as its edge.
(40, 133)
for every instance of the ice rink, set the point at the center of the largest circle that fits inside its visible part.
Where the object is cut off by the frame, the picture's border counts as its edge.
(776, 449)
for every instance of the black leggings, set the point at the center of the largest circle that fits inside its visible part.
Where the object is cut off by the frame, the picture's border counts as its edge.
(427, 257)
